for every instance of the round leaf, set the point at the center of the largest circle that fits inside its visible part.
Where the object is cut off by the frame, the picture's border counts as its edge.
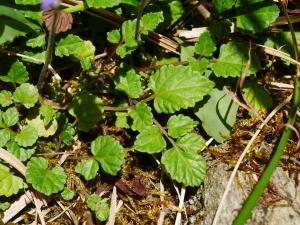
(4, 137)
(142, 116)
(27, 137)
(109, 153)
(22, 154)
(26, 94)
(5, 98)
(179, 125)
(184, 167)
(88, 168)
(191, 143)
(99, 206)
(10, 116)
(45, 180)
(150, 140)
(129, 83)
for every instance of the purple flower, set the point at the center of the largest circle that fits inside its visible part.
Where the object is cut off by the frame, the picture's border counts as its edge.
(49, 4)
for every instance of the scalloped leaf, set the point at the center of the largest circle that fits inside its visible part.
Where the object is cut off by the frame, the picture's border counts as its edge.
(191, 142)
(38, 41)
(184, 167)
(109, 153)
(45, 180)
(178, 87)
(179, 125)
(150, 140)
(26, 94)
(218, 115)
(16, 74)
(67, 194)
(99, 206)
(141, 115)
(9, 184)
(47, 113)
(257, 96)
(87, 119)
(205, 45)
(121, 120)
(103, 3)
(22, 154)
(27, 137)
(4, 137)
(232, 60)
(87, 168)
(256, 15)
(68, 46)
(129, 83)
(38, 124)
(150, 21)
(5, 98)
(67, 134)
(11, 116)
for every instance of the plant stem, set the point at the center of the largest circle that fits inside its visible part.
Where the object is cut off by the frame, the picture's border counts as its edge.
(164, 132)
(265, 178)
(49, 53)
(75, 8)
(148, 99)
(115, 108)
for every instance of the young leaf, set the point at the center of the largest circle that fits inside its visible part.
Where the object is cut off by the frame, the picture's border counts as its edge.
(67, 194)
(87, 119)
(121, 120)
(191, 142)
(26, 94)
(150, 21)
(9, 184)
(39, 41)
(114, 36)
(142, 116)
(27, 137)
(150, 140)
(10, 116)
(103, 3)
(88, 168)
(68, 46)
(205, 45)
(233, 59)
(218, 115)
(184, 167)
(85, 51)
(67, 134)
(4, 137)
(179, 125)
(178, 87)
(99, 206)
(257, 96)
(47, 113)
(129, 83)
(38, 124)
(256, 15)
(5, 98)
(22, 154)
(16, 74)
(45, 180)
(109, 153)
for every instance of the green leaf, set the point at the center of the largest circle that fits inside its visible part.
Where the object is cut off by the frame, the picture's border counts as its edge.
(218, 115)
(39, 41)
(4, 205)
(9, 184)
(221, 6)
(129, 83)
(47, 113)
(88, 168)
(121, 120)
(87, 119)
(179, 125)
(141, 115)
(114, 36)
(13, 23)
(191, 143)
(36, 58)
(184, 167)
(10, 116)
(86, 63)
(27, 2)
(150, 140)
(205, 45)
(67, 134)
(85, 50)
(5, 98)
(22, 154)
(45, 180)
(199, 66)
(150, 21)
(26, 94)
(4, 137)
(67, 194)
(103, 3)
(27, 137)
(257, 96)
(109, 153)
(256, 15)
(38, 124)
(233, 59)
(178, 87)
(187, 52)
(99, 206)
(16, 74)
(220, 29)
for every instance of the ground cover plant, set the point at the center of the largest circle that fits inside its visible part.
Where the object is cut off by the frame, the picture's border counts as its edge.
(107, 108)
